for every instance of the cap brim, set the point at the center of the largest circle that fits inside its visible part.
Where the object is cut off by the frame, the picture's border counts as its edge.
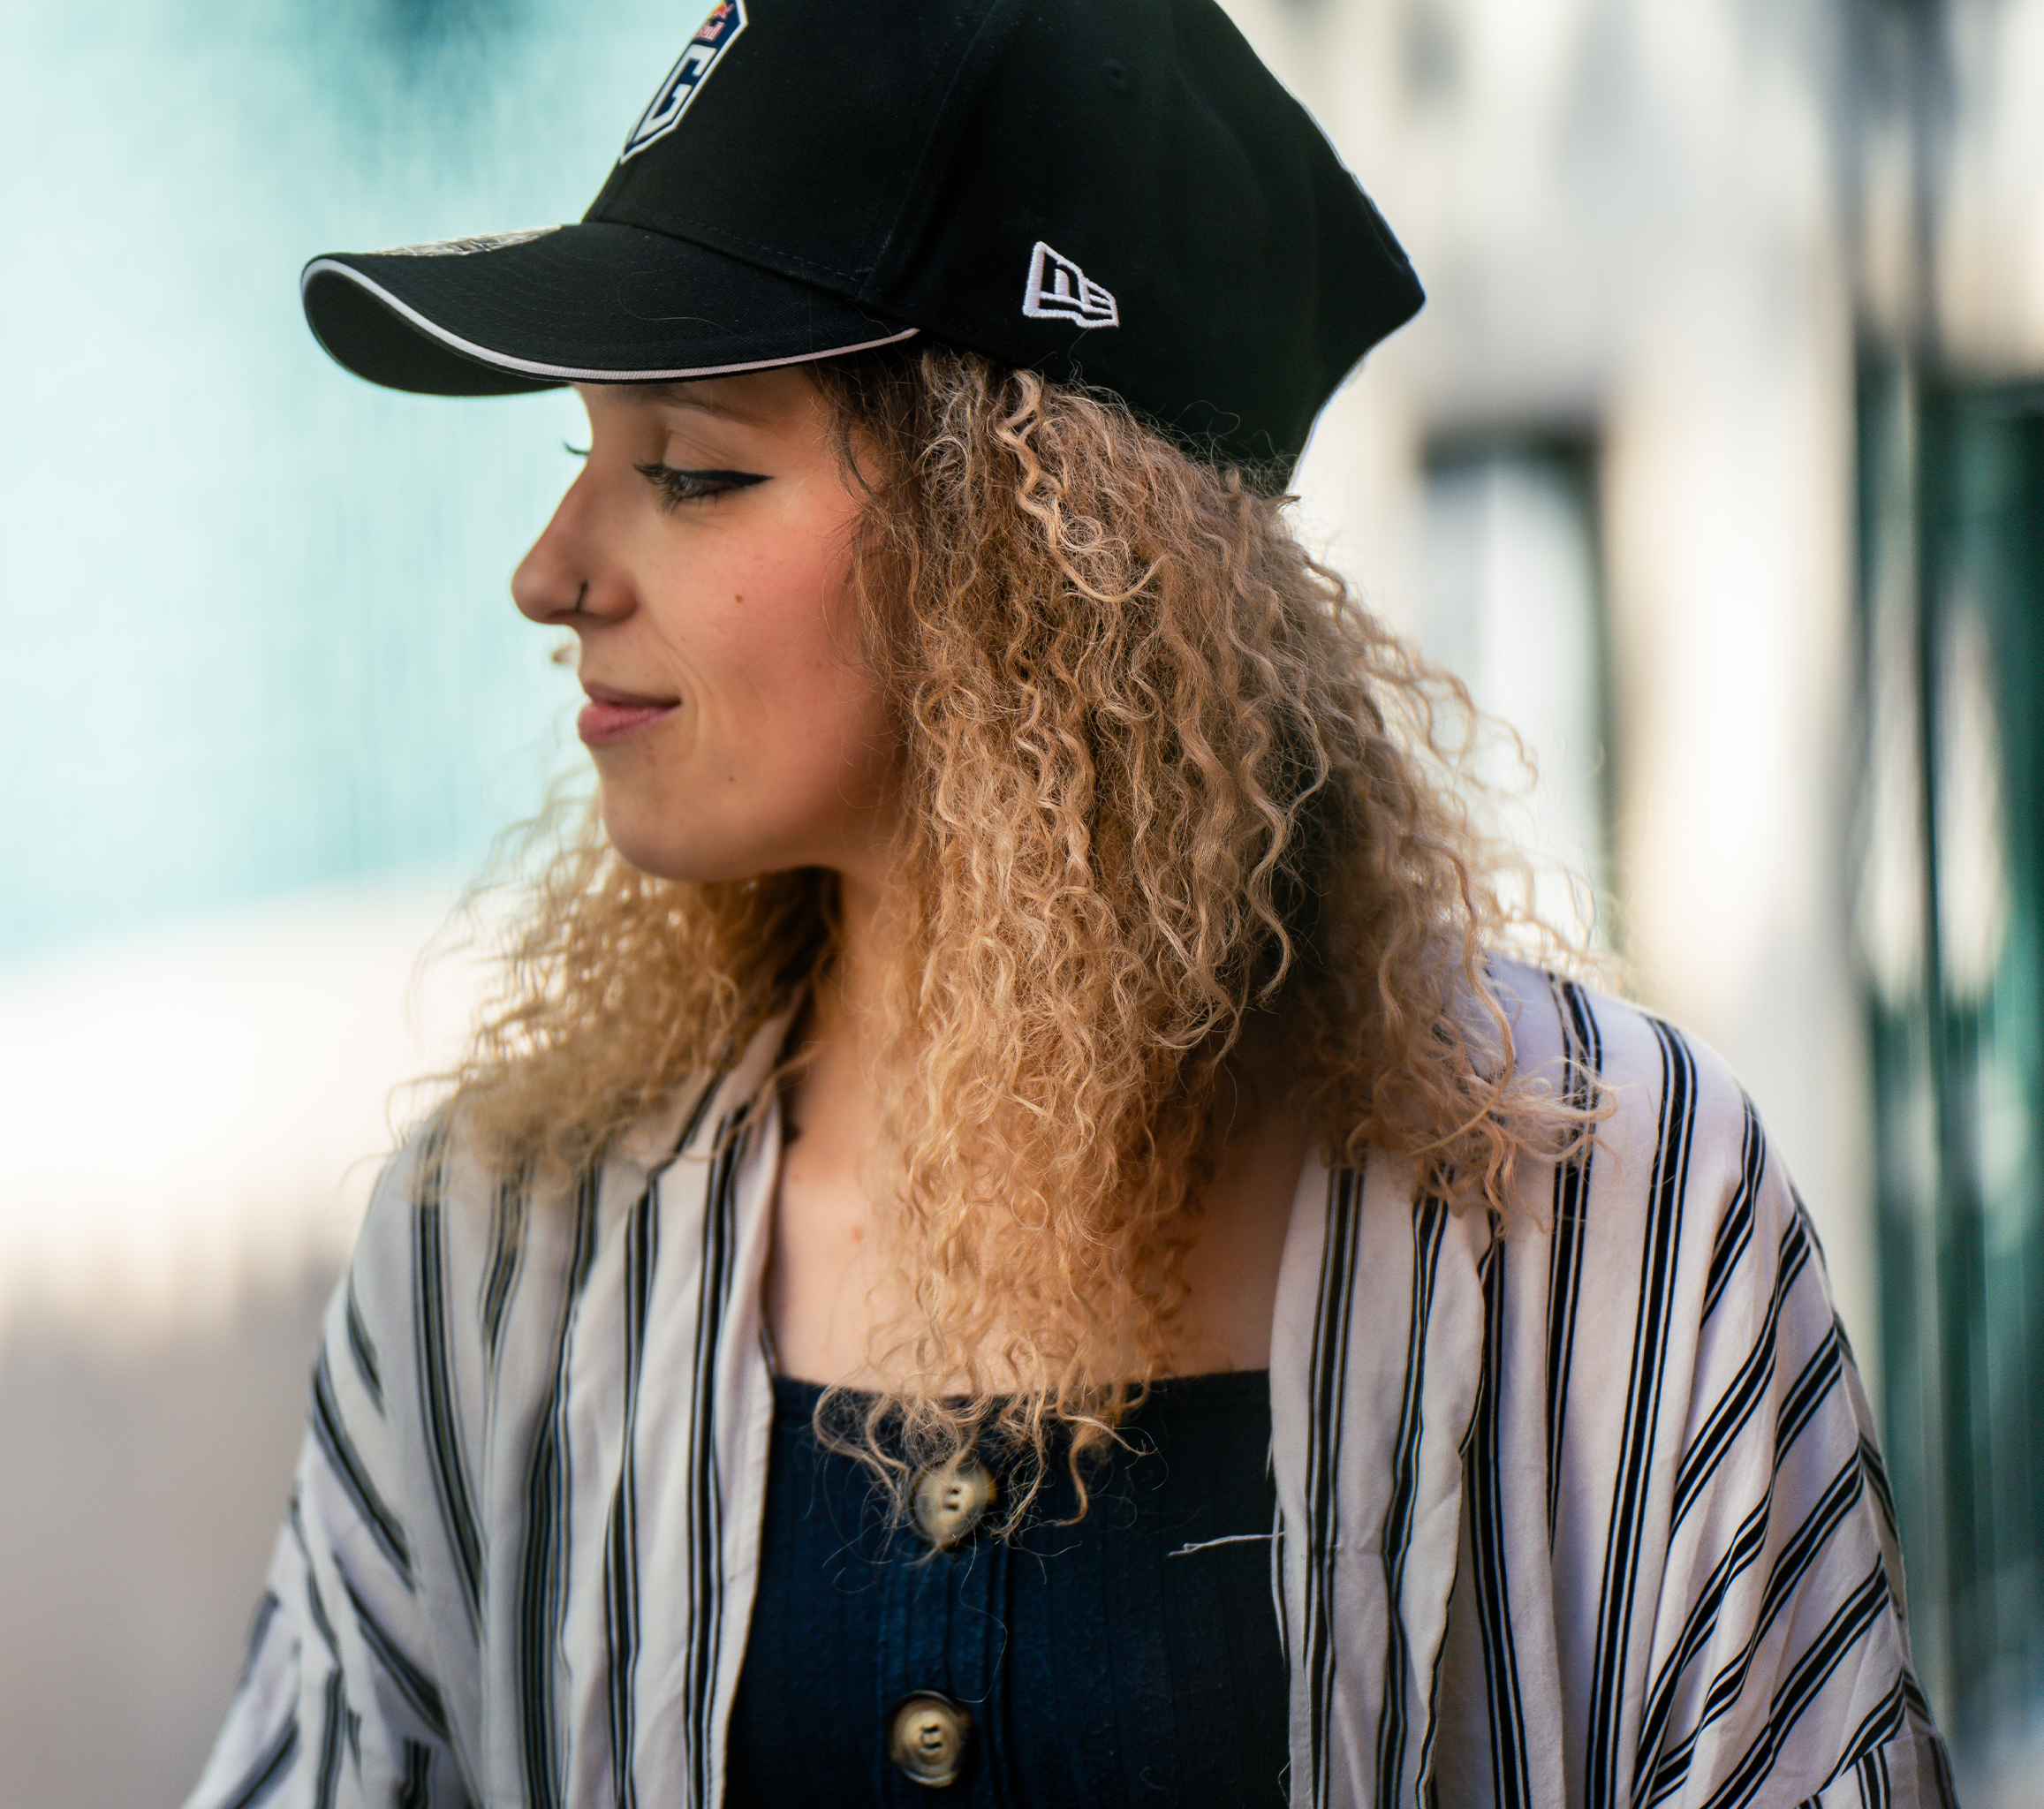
(587, 303)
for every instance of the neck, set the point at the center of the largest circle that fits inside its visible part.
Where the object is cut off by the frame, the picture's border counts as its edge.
(850, 996)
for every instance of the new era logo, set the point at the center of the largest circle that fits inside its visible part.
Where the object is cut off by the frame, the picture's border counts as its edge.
(718, 33)
(1060, 291)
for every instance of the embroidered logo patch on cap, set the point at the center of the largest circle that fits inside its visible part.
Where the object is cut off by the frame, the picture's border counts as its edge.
(1060, 291)
(717, 34)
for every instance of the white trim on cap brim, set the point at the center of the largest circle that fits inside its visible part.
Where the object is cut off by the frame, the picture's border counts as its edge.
(525, 367)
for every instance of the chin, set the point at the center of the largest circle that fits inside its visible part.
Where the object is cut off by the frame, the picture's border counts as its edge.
(660, 861)
(662, 852)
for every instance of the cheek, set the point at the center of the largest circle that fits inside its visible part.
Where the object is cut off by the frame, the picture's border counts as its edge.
(783, 753)
(820, 713)
(784, 635)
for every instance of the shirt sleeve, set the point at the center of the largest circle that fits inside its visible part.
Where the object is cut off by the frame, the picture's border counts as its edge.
(1679, 1584)
(1779, 1668)
(337, 1704)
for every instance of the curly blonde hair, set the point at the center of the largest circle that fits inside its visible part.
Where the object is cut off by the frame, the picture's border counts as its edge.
(1161, 774)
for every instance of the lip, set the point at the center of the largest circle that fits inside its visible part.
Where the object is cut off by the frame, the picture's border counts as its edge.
(611, 714)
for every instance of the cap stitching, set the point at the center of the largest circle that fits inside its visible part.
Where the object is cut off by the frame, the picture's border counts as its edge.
(736, 238)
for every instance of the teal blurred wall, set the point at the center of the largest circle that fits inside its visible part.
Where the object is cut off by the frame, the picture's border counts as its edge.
(256, 631)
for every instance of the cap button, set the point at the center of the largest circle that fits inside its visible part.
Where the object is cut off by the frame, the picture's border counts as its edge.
(928, 1739)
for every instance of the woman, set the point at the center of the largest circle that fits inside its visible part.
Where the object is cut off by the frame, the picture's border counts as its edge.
(1007, 1241)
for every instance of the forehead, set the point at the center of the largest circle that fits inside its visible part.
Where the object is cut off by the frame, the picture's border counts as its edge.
(780, 399)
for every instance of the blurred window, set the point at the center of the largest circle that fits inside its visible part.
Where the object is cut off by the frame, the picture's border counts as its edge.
(1511, 601)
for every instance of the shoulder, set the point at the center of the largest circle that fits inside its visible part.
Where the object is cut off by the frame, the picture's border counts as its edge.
(1678, 1204)
(1558, 1024)
(455, 1233)
(458, 1244)
(443, 1182)
(1672, 1115)
(1673, 1245)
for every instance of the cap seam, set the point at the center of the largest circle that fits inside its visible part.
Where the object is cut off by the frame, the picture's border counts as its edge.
(940, 117)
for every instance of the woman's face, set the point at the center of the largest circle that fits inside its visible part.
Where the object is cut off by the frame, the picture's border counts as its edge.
(701, 559)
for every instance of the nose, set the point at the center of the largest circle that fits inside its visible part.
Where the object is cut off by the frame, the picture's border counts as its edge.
(564, 580)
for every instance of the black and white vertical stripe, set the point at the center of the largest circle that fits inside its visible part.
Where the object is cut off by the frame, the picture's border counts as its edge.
(1582, 1061)
(542, 1572)
(1583, 1509)
(1334, 1315)
(1653, 1314)
(621, 1538)
(1395, 1729)
(1488, 1514)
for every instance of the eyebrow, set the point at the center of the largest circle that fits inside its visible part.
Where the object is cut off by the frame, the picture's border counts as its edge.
(689, 394)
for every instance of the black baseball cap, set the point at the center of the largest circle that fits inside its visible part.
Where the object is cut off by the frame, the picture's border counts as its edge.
(1113, 193)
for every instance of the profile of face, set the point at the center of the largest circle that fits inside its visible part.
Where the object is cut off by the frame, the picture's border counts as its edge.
(702, 558)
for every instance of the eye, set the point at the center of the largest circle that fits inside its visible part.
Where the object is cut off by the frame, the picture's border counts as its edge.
(677, 485)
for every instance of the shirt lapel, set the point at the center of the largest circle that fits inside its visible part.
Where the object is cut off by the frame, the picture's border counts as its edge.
(700, 1435)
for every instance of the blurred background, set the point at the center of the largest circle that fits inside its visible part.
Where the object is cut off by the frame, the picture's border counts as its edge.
(1715, 464)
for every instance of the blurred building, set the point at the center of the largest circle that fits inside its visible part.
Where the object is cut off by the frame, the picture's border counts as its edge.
(1711, 466)
(1731, 384)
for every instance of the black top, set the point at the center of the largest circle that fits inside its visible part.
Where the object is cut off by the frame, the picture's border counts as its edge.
(1132, 1657)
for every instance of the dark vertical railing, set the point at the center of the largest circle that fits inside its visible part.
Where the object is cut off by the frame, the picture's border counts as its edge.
(1952, 532)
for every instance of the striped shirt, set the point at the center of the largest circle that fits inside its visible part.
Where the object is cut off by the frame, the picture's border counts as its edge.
(1588, 1513)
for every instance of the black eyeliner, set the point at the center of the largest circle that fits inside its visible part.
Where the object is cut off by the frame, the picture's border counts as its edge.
(735, 479)
(678, 487)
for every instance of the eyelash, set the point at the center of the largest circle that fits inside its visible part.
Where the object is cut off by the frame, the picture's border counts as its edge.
(677, 485)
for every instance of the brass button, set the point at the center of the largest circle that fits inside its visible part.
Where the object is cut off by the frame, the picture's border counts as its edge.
(927, 1740)
(950, 1499)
